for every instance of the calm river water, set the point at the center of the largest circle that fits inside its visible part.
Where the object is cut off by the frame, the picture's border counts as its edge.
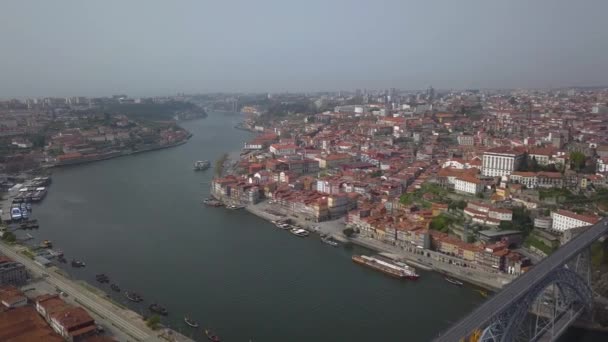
(139, 219)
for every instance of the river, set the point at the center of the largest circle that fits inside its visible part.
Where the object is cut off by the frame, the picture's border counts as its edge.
(139, 219)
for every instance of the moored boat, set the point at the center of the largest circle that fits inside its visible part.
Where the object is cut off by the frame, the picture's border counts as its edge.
(190, 322)
(134, 297)
(454, 281)
(201, 165)
(158, 309)
(212, 202)
(115, 288)
(211, 336)
(78, 263)
(46, 244)
(299, 232)
(392, 268)
(329, 242)
(102, 278)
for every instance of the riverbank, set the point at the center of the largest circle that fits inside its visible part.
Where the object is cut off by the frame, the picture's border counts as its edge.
(425, 260)
(129, 322)
(119, 154)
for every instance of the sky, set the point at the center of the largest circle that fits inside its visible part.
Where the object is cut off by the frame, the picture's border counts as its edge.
(162, 47)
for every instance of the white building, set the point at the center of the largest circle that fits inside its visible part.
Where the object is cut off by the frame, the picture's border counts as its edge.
(470, 185)
(283, 149)
(501, 161)
(602, 165)
(564, 220)
(466, 140)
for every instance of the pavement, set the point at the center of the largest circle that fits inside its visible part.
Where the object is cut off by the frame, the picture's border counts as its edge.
(40, 287)
(127, 321)
(429, 260)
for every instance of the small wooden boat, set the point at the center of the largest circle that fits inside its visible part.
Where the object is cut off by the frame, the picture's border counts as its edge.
(211, 336)
(190, 322)
(134, 297)
(156, 308)
(454, 281)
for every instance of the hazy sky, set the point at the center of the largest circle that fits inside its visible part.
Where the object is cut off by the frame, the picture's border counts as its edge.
(150, 47)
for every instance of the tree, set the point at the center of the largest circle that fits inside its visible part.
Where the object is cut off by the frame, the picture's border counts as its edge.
(9, 237)
(441, 223)
(505, 225)
(406, 199)
(348, 232)
(153, 322)
(577, 160)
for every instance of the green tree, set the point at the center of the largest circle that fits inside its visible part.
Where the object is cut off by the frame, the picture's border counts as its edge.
(9, 237)
(348, 232)
(441, 223)
(577, 160)
(153, 322)
(505, 225)
(406, 199)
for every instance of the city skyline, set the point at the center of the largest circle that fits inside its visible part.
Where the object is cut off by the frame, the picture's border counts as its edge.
(153, 48)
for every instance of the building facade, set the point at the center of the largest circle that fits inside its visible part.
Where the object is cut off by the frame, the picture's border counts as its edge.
(500, 162)
(565, 220)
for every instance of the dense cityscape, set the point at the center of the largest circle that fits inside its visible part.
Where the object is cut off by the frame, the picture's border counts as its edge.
(479, 185)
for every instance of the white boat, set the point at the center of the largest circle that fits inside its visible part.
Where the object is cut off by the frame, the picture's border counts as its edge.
(299, 232)
(330, 242)
(454, 281)
(201, 165)
(16, 213)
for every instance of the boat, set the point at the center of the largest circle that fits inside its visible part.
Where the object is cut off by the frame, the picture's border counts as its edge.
(115, 288)
(211, 336)
(454, 281)
(201, 165)
(392, 268)
(212, 202)
(299, 232)
(46, 244)
(234, 207)
(78, 263)
(102, 278)
(134, 297)
(190, 322)
(329, 242)
(28, 206)
(483, 293)
(61, 259)
(158, 309)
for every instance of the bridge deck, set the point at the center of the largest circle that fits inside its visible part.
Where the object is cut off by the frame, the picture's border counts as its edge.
(517, 289)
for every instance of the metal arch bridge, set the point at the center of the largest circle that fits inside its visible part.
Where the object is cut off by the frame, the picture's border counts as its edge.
(557, 291)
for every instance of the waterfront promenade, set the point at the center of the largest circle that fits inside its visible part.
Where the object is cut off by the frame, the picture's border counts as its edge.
(125, 320)
(422, 259)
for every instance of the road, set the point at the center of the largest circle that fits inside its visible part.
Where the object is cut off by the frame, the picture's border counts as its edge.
(518, 288)
(98, 305)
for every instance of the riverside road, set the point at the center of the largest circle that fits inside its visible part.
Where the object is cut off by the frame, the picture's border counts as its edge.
(89, 300)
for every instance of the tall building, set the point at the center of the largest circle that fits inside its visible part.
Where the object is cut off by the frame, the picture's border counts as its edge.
(430, 93)
(501, 161)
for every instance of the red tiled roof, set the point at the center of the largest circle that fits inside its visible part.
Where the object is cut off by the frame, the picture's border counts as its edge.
(584, 218)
